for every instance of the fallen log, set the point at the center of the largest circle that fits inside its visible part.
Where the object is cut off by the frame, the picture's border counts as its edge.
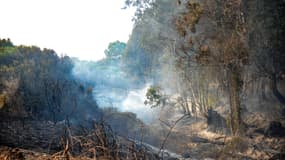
(196, 139)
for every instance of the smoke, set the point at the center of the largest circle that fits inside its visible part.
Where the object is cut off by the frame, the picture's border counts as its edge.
(113, 88)
(134, 102)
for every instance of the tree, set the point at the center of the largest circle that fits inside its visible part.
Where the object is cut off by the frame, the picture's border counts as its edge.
(224, 47)
(154, 97)
(6, 43)
(266, 38)
(216, 43)
(140, 5)
(115, 50)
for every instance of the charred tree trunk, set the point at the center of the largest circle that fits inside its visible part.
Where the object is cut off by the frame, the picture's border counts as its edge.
(275, 90)
(235, 86)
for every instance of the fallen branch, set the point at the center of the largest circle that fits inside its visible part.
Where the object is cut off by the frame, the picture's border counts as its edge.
(169, 132)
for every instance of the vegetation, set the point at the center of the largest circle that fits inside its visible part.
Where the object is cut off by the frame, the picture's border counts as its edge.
(38, 84)
(208, 47)
(215, 72)
(209, 54)
(154, 97)
(115, 50)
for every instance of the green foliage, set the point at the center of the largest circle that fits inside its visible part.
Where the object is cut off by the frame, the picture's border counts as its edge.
(115, 50)
(6, 48)
(6, 43)
(154, 97)
(4, 51)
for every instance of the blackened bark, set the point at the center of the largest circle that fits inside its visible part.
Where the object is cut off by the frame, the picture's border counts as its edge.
(275, 90)
(235, 86)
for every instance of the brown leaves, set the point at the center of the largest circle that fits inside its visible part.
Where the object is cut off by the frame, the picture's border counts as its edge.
(2, 101)
(189, 19)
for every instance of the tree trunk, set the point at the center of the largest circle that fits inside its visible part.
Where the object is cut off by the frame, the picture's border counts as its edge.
(235, 87)
(275, 90)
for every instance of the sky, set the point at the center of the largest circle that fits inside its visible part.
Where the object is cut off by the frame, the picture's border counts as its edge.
(77, 28)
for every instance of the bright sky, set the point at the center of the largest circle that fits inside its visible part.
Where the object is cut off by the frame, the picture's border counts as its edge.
(78, 28)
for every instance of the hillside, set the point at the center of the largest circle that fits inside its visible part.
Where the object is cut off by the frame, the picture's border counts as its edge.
(196, 80)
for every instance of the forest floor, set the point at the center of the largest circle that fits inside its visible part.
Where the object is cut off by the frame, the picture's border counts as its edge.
(255, 144)
(189, 140)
